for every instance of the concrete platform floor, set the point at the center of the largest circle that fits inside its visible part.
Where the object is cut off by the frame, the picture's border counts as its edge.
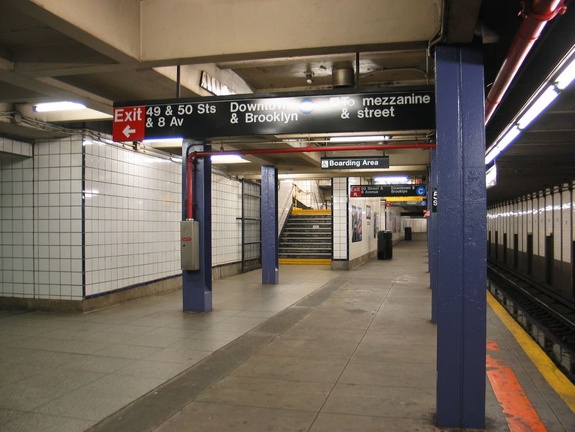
(321, 351)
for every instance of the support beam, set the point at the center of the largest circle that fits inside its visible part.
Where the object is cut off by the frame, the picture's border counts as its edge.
(270, 242)
(113, 28)
(432, 237)
(461, 228)
(197, 285)
(269, 36)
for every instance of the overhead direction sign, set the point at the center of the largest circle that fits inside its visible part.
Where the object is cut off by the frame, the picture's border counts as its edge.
(406, 203)
(129, 123)
(377, 191)
(405, 198)
(358, 163)
(201, 118)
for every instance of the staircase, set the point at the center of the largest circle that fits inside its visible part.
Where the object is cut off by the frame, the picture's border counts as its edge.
(306, 238)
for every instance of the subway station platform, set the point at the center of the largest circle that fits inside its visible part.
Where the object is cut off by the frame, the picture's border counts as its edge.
(321, 351)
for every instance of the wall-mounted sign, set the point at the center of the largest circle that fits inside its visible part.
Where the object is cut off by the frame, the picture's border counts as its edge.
(215, 87)
(202, 118)
(129, 123)
(375, 191)
(359, 163)
(434, 200)
(407, 203)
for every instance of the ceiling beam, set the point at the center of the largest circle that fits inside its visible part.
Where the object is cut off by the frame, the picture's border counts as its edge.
(111, 28)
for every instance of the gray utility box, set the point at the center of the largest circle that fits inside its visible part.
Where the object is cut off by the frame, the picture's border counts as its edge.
(190, 244)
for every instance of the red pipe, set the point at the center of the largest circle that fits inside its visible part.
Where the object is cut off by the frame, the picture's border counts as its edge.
(315, 149)
(189, 192)
(537, 14)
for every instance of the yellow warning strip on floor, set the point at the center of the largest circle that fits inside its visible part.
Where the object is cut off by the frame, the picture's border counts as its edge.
(556, 379)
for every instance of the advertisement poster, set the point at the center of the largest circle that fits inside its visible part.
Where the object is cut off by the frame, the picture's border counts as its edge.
(356, 223)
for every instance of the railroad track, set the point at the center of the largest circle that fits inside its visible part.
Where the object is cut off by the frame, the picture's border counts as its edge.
(546, 316)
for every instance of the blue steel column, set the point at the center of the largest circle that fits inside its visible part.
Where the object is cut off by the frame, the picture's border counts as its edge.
(432, 239)
(270, 244)
(197, 285)
(461, 225)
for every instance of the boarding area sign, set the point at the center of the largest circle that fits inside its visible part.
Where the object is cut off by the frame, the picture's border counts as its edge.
(201, 118)
(357, 163)
(377, 191)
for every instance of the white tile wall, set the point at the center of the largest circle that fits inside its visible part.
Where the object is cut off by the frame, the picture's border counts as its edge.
(58, 218)
(341, 226)
(541, 218)
(285, 202)
(308, 193)
(16, 148)
(82, 220)
(557, 226)
(16, 223)
(368, 241)
(132, 213)
(566, 231)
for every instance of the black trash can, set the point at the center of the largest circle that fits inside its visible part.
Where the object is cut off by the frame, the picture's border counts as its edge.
(407, 233)
(384, 245)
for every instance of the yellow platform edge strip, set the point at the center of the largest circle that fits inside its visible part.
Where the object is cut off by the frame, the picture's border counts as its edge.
(556, 379)
(305, 261)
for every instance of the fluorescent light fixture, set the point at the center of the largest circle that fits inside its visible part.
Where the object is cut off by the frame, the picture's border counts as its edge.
(58, 106)
(503, 142)
(566, 77)
(163, 142)
(90, 193)
(366, 138)
(542, 102)
(391, 180)
(491, 176)
(227, 159)
(557, 81)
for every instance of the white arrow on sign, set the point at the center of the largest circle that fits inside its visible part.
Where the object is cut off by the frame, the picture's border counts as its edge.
(128, 131)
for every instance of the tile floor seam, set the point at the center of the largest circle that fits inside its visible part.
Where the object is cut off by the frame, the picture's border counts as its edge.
(321, 409)
(322, 294)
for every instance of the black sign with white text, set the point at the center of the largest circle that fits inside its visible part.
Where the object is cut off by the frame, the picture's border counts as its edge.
(239, 116)
(374, 191)
(355, 163)
(434, 200)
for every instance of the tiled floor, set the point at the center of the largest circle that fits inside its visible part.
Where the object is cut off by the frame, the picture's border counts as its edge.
(65, 372)
(321, 351)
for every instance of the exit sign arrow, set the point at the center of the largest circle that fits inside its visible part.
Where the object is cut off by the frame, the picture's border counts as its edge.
(129, 123)
(128, 131)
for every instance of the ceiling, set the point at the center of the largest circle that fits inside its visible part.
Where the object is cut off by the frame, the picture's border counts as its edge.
(130, 50)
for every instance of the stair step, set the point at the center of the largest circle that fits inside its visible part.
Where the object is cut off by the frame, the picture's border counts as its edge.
(292, 229)
(306, 234)
(305, 247)
(308, 223)
(305, 254)
(307, 237)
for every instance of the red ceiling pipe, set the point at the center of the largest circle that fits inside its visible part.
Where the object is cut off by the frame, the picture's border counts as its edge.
(191, 157)
(189, 192)
(536, 13)
(309, 149)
